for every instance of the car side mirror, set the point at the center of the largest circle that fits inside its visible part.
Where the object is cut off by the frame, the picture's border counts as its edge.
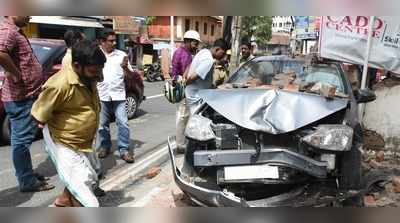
(364, 96)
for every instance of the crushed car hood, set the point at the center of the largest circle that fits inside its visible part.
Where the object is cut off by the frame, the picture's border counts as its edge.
(272, 111)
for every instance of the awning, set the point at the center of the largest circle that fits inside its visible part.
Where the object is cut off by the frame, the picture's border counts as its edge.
(66, 21)
(160, 46)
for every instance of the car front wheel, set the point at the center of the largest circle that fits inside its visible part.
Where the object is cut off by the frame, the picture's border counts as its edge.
(131, 106)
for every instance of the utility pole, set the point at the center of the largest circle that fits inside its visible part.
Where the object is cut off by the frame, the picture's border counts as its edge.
(172, 43)
(366, 60)
(236, 29)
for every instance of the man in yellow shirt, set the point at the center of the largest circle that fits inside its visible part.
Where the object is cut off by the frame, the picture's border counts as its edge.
(68, 108)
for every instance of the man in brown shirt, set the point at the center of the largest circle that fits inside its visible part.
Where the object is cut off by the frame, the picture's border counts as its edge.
(69, 106)
(21, 87)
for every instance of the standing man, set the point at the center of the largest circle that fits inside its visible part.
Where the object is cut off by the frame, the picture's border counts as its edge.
(71, 37)
(21, 87)
(69, 108)
(113, 98)
(245, 51)
(182, 57)
(180, 64)
(200, 76)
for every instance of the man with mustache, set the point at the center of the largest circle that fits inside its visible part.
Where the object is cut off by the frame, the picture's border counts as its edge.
(69, 108)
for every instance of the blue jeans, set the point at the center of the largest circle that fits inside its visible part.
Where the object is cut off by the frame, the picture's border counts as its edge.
(110, 109)
(23, 132)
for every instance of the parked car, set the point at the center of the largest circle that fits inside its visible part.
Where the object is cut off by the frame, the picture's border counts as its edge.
(50, 53)
(262, 140)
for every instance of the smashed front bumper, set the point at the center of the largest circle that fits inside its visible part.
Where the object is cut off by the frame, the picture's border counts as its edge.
(199, 195)
(315, 194)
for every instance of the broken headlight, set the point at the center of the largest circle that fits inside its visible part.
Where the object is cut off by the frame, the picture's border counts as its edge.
(199, 128)
(331, 137)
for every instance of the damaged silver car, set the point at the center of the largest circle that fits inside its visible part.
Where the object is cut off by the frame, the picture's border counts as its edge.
(279, 132)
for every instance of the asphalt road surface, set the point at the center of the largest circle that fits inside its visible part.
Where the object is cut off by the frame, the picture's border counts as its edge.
(149, 131)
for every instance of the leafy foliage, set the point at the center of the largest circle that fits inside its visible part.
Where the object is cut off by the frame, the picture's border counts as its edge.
(259, 27)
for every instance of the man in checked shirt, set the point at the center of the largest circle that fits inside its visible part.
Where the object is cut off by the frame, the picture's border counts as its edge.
(21, 87)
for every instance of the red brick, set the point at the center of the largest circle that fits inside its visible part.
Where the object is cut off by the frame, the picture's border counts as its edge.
(369, 201)
(153, 172)
(396, 184)
(380, 156)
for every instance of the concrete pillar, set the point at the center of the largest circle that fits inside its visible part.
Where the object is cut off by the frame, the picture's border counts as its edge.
(179, 27)
(139, 56)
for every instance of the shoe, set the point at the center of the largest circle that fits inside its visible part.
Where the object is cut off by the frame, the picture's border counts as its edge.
(98, 192)
(38, 187)
(103, 153)
(41, 177)
(127, 157)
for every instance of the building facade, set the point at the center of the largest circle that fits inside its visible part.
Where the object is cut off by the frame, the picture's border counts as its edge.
(209, 28)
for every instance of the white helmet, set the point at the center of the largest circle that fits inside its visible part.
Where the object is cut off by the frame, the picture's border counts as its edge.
(191, 34)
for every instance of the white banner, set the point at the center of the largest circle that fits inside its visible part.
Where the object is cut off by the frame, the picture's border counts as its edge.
(344, 38)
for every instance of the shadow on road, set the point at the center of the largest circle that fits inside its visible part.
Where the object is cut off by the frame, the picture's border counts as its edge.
(140, 113)
(111, 161)
(12, 197)
(46, 168)
(114, 198)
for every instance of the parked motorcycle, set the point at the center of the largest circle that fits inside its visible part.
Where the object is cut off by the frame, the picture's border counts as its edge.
(153, 71)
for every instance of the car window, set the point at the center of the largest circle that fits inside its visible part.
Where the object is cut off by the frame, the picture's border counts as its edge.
(42, 52)
(261, 70)
(264, 72)
(324, 74)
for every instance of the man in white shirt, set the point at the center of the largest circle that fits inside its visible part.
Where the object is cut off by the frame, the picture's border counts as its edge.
(201, 70)
(199, 76)
(113, 98)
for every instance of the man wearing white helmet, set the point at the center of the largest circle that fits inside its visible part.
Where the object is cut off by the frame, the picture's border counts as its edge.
(180, 63)
(183, 55)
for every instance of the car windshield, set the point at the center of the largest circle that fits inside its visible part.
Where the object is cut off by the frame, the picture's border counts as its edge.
(266, 73)
(324, 74)
(42, 52)
(262, 70)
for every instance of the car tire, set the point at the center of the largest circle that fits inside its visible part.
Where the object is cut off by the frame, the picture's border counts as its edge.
(351, 169)
(6, 130)
(132, 105)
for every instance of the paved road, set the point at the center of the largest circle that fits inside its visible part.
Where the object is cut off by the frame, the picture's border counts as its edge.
(156, 120)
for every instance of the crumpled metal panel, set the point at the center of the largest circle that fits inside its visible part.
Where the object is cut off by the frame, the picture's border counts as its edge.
(271, 111)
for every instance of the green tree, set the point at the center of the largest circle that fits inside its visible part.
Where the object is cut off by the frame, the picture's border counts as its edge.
(149, 20)
(258, 27)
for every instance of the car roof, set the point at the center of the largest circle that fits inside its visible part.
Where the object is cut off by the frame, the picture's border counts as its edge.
(47, 42)
(297, 59)
(276, 58)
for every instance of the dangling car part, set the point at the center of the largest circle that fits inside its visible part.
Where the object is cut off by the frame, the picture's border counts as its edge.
(261, 140)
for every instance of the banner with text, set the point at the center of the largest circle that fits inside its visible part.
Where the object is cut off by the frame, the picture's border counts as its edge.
(344, 38)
